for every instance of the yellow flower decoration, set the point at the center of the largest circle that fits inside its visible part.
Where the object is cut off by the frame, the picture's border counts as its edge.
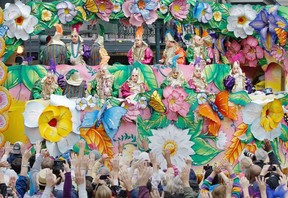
(217, 16)
(46, 15)
(1, 16)
(55, 123)
(272, 114)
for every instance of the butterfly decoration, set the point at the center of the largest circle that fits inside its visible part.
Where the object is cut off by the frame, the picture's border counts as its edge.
(282, 36)
(217, 111)
(109, 117)
(156, 102)
(3, 30)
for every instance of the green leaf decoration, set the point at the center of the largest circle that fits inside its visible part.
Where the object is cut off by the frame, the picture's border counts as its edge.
(30, 74)
(50, 6)
(148, 75)
(192, 99)
(192, 2)
(283, 11)
(262, 61)
(240, 98)
(196, 131)
(275, 146)
(158, 120)
(168, 18)
(284, 134)
(117, 15)
(142, 127)
(10, 49)
(284, 100)
(186, 122)
(204, 152)
(9, 41)
(53, 21)
(121, 74)
(13, 78)
(258, 143)
(210, 72)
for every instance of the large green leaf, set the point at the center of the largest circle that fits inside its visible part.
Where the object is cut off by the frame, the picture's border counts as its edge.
(158, 120)
(148, 75)
(275, 146)
(196, 131)
(284, 133)
(204, 152)
(168, 18)
(283, 11)
(142, 128)
(240, 98)
(14, 77)
(210, 72)
(10, 49)
(192, 99)
(222, 72)
(121, 74)
(284, 100)
(50, 6)
(186, 122)
(249, 136)
(30, 74)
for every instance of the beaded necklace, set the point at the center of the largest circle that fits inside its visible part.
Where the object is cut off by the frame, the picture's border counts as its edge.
(72, 47)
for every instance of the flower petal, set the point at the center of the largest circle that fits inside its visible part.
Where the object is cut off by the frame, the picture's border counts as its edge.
(33, 134)
(32, 113)
(68, 142)
(251, 112)
(53, 148)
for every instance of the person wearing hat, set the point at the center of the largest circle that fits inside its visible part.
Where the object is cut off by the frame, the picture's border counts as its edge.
(76, 47)
(55, 49)
(46, 86)
(74, 86)
(102, 85)
(133, 86)
(99, 55)
(172, 49)
(175, 78)
(198, 82)
(140, 51)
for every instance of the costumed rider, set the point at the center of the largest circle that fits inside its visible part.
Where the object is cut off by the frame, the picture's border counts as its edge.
(102, 85)
(55, 49)
(172, 49)
(99, 55)
(175, 78)
(78, 50)
(236, 80)
(73, 86)
(198, 82)
(140, 51)
(133, 86)
(43, 88)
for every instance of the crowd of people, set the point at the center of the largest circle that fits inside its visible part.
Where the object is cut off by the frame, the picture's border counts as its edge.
(34, 173)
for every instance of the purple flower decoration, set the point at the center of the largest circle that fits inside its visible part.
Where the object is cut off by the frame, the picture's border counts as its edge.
(66, 11)
(265, 24)
(203, 12)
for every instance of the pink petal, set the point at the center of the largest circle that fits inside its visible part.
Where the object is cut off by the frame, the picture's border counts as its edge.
(136, 20)
(252, 41)
(176, 95)
(184, 110)
(250, 56)
(167, 91)
(235, 46)
(259, 52)
(253, 63)
(172, 115)
(175, 107)
(125, 8)
(153, 17)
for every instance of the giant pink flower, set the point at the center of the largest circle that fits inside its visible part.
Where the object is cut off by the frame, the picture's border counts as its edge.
(278, 53)
(105, 8)
(175, 102)
(141, 11)
(132, 112)
(251, 51)
(179, 9)
(233, 48)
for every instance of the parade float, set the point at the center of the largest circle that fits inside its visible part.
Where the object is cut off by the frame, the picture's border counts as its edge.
(212, 106)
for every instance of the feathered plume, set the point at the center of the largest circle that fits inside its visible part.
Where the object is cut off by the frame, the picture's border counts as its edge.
(102, 30)
(236, 57)
(174, 61)
(52, 67)
(76, 27)
(59, 28)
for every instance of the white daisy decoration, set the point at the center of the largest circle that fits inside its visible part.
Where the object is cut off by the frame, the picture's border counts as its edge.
(116, 7)
(174, 139)
(221, 140)
(81, 104)
(91, 101)
(201, 98)
(163, 9)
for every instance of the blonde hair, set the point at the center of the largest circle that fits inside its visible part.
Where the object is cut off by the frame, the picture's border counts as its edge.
(103, 191)
(219, 192)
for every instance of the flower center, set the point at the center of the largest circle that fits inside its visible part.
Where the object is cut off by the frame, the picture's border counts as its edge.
(19, 20)
(177, 8)
(242, 20)
(102, 7)
(116, 7)
(53, 122)
(267, 112)
(203, 12)
(141, 4)
(172, 101)
(66, 11)
(251, 50)
(279, 51)
(171, 146)
(46, 14)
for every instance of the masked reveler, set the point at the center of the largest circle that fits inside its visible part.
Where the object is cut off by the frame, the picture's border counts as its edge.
(172, 49)
(140, 51)
(99, 55)
(76, 47)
